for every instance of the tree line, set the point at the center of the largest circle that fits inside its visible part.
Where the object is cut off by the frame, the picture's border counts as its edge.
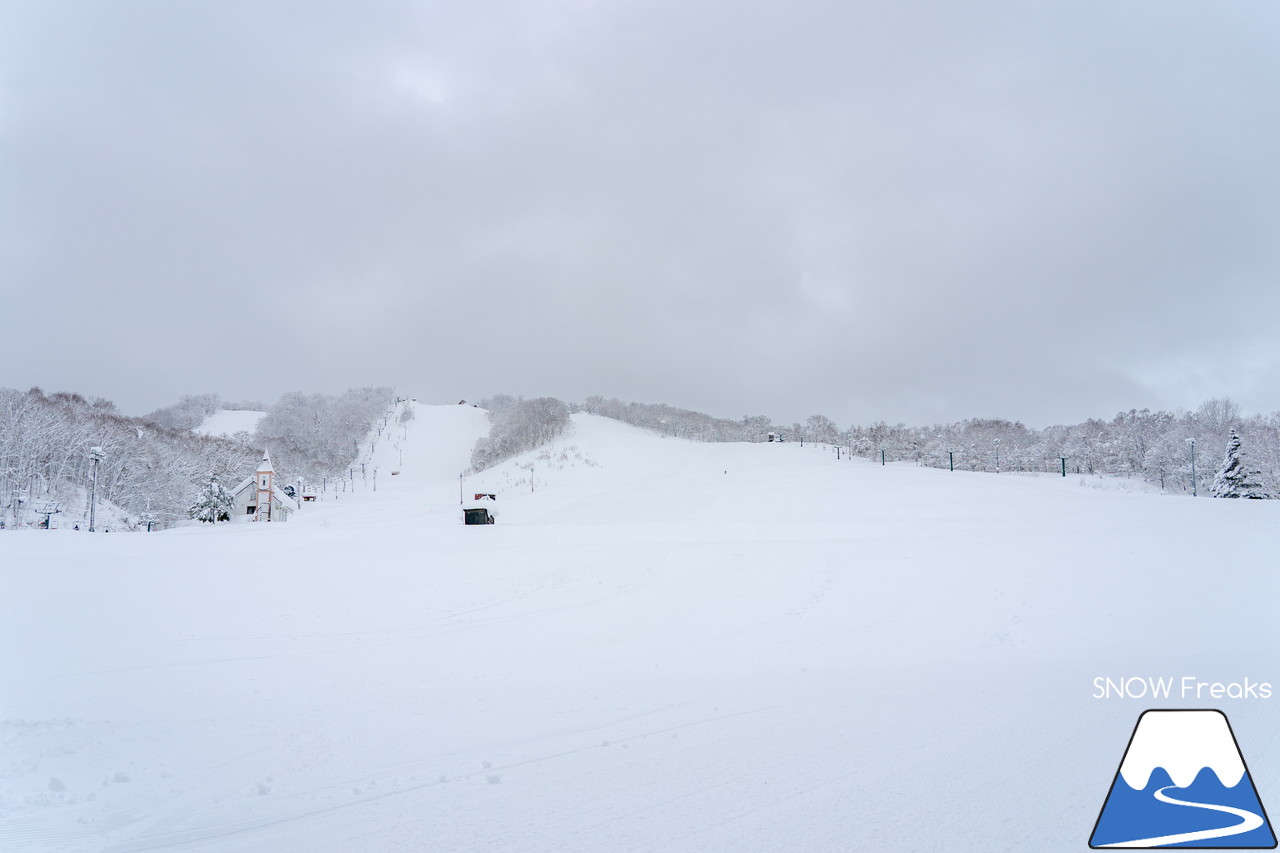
(677, 422)
(517, 426)
(1161, 448)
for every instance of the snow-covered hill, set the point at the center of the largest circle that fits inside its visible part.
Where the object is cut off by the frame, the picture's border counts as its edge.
(662, 645)
(228, 422)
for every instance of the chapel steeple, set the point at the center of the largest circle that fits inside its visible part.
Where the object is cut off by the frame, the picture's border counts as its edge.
(265, 477)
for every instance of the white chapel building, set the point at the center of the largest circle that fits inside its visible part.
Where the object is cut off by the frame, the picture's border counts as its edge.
(260, 497)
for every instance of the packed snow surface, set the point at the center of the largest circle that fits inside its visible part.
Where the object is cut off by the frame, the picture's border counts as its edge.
(228, 422)
(661, 645)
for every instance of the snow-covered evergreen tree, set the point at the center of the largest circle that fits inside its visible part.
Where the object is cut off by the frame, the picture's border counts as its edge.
(214, 504)
(1234, 480)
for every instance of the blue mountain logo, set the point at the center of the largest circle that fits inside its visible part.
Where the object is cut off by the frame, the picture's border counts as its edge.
(1183, 783)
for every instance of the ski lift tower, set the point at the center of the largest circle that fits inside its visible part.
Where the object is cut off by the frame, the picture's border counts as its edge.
(49, 509)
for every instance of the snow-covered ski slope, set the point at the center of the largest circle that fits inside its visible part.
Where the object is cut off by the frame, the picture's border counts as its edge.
(661, 646)
(230, 422)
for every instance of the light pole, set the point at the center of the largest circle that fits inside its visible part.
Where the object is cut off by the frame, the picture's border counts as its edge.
(1192, 442)
(95, 453)
(997, 443)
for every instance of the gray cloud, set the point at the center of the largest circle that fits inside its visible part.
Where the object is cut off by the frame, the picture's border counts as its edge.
(913, 212)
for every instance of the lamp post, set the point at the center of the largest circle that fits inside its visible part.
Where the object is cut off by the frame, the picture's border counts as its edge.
(96, 454)
(1192, 442)
(997, 443)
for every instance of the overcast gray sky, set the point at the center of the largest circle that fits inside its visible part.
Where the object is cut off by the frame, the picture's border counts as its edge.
(910, 211)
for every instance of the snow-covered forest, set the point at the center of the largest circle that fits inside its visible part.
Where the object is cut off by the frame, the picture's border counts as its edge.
(45, 447)
(518, 425)
(1159, 448)
(314, 435)
(153, 468)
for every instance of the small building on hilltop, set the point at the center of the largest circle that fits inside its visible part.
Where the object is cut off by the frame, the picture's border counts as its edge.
(260, 497)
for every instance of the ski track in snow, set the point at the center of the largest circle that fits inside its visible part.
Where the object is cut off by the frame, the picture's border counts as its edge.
(661, 645)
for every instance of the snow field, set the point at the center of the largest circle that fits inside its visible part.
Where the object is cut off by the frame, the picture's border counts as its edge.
(661, 645)
(229, 422)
